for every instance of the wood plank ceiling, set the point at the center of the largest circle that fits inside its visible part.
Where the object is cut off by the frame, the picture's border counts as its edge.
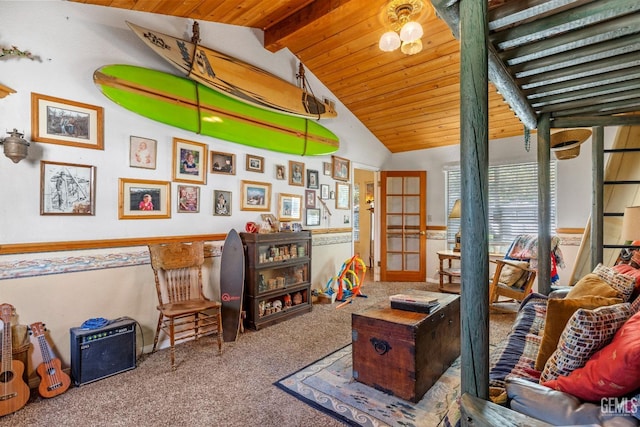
(563, 57)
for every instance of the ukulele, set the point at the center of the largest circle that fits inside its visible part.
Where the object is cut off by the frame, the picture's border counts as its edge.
(14, 392)
(53, 380)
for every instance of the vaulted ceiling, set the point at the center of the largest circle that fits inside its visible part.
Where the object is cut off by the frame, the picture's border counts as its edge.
(557, 55)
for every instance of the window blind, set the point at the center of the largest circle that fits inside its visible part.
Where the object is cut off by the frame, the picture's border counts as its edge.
(513, 202)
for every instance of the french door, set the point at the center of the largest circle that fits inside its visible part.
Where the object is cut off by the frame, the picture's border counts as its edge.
(403, 240)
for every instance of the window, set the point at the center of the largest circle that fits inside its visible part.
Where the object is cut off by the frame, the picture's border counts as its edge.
(513, 203)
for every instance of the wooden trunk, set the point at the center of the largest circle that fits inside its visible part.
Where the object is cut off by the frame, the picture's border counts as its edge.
(403, 352)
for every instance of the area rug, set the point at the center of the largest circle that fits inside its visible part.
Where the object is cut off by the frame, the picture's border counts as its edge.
(327, 385)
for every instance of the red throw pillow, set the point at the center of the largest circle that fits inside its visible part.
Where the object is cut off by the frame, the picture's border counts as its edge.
(628, 270)
(612, 371)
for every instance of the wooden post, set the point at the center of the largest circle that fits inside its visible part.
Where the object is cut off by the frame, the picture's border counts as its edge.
(544, 205)
(474, 166)
(597, 196)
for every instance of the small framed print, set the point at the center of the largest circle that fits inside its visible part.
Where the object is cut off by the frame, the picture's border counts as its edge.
(326, 168)
(256, 196)
(221, 203)
(67, 189)
(271, 221)
(64, 122)
(309, 198)
(143, 199)
(343, 195)
(312, 217)
(324, 191)
(142, 152)
(289, 207)
(281, 172)
(223, 163)
(312, 179)
(189, 161)
(340, 168)
(296, 173)
(188, 198)
(255, 163)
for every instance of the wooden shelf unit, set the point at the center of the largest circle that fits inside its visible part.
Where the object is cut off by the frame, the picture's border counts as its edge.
(449, 274)
(277, 277)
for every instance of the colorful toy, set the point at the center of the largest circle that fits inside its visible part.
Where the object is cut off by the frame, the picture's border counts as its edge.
(347, 285)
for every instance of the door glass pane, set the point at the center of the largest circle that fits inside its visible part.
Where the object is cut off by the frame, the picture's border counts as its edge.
(394, 262)
(412, 204)
(394, 204)
(394, 243)
(394, 185)
(412, 185)
(412, 262)
(412, 243)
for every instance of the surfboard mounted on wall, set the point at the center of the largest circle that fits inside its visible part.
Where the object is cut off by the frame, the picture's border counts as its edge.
(234, 77)
(189, 105)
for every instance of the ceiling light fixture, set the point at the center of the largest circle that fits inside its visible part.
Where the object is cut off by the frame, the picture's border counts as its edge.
(407, 32)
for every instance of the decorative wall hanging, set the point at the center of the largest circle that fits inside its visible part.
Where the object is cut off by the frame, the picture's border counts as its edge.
(143, 199)
(188, 105)
(142, 152)
(189, 161)
(256, 196)
(64, 122)
(67, 189)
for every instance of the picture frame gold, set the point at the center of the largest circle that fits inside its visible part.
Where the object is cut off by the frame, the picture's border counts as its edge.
(289, 207)
(296, 173)
(65, 122)
(224, 163)
(188, 198)
(254, 163)
(343, 195)
(67, 188)
(132, 203)
(340, 168)
(256, 196)
(142, 152)
(189, 161)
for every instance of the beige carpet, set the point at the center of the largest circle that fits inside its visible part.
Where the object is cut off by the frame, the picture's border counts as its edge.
(234, 389)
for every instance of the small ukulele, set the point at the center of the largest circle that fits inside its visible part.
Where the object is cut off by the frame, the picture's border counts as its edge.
(14, 392)
(53, 381)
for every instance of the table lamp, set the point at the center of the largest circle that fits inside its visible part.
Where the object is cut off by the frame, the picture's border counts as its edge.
(630, 224)
(456, 213)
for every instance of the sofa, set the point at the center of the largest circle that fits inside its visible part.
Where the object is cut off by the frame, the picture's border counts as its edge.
(573, 357)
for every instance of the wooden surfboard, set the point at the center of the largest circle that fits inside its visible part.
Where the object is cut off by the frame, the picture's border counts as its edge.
(231, 285)
(234, 77)
(186, 104)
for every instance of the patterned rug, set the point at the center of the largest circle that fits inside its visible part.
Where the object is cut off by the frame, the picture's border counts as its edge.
(328, 386)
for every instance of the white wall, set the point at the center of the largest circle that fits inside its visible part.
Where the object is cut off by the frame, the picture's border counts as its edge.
(72, 40)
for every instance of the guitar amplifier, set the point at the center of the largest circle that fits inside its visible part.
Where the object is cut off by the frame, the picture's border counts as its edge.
(100, 353)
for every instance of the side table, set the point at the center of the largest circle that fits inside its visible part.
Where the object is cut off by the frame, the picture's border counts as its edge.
(449, 274)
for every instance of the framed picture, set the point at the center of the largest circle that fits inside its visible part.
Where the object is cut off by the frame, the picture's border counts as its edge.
(312, 217)
(340, 168)
(309, 198)
(281, 172)
(312, 179)
(64, 122)
(189, 161)
(271, 220)
(326, 168)
(256, 196)
(188, 198)
(296, 173)
(223, 163)
(67, 189)
(368, 193)
(142, 152)
(343, 195)
(144, 199)
(324, 191)
(255, 163)
(221, 203)
(289, 207)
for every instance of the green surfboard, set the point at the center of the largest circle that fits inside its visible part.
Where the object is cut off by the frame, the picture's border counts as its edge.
(189, 105)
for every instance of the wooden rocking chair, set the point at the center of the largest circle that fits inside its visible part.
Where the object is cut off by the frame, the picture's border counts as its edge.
(185, 312)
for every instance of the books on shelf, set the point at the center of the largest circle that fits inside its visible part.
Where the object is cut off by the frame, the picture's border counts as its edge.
(417, 303)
